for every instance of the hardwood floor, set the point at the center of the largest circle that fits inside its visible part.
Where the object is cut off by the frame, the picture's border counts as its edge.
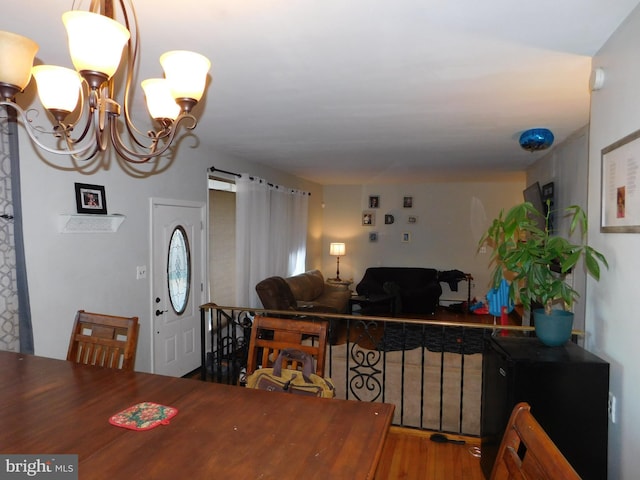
(410, 454)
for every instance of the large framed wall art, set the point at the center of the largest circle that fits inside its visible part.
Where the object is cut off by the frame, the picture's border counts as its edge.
(620, 197)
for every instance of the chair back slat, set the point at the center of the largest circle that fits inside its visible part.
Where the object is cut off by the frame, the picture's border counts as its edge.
(104, 340)
(527, 452)
(270, 335)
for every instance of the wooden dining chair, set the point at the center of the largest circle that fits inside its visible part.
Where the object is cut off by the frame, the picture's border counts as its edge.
(269, 335)
(527, 452)
(104, 340)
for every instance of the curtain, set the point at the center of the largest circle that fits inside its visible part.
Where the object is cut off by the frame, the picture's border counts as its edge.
(271, 234)
(15, 318)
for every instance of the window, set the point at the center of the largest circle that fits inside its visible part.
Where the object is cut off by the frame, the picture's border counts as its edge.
(179, 270)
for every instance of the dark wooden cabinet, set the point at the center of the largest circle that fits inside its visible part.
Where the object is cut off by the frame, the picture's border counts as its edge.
(567, 388)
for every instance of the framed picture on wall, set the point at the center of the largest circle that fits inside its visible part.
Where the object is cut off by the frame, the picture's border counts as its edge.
(620, 208)
(368, 219)
(407, 202)
(374, 201)
(90, 199)
(373, 236)
(406, 237)
(411, 219)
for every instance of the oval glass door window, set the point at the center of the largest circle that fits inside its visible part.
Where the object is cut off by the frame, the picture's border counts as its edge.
(179, 270)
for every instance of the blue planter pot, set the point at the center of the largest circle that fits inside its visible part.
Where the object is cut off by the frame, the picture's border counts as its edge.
(555, 329)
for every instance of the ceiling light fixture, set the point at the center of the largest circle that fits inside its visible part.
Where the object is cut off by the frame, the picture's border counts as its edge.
(96, 42)
(536, 139)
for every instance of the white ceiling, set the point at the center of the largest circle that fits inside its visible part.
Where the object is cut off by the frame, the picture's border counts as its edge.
(363, 91)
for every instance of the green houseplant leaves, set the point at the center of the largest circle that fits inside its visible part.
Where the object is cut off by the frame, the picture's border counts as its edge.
(535, 261)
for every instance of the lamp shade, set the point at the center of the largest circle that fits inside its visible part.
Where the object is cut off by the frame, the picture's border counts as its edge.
(95, 41)
(186, 73)
(337, 249)
(160, 102)
(16, 59)
(58, 87)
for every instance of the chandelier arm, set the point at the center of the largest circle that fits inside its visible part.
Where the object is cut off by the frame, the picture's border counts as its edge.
(30, 131)
(82, 156)
(98, 111)
(72, 125)
(166, 134)
(65, 129)
(133, 50)
(131, 155)
(104, 120)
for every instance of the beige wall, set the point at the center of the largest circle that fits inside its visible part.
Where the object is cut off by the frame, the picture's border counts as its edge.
(451, 217)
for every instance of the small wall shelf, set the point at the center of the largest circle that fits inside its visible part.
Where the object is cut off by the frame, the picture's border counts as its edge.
(88, 223)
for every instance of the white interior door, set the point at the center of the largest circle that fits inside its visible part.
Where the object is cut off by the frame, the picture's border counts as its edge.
(177, 271)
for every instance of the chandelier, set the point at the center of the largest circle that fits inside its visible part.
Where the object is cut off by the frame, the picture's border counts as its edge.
(86, 94)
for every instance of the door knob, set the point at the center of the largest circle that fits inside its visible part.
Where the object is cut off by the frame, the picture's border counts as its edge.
(160, 312)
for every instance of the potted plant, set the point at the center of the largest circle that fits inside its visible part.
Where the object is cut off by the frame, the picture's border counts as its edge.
(537, 262)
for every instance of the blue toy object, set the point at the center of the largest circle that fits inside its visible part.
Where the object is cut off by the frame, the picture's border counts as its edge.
(498, 298)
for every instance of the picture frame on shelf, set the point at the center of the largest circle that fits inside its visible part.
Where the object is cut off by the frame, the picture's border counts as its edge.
(368, 219)
(374, 201)
(91, 199)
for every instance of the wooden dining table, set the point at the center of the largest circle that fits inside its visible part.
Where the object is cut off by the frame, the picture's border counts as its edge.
(50, 406)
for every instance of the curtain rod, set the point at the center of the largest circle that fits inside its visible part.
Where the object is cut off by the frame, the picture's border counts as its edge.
(214, 169)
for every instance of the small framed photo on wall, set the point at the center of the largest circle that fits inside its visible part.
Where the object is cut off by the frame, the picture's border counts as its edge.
(411, 219)
(407, 202)
(90, 199)
(373, 236)
(406, 237)
(368, 219)
(374, 201)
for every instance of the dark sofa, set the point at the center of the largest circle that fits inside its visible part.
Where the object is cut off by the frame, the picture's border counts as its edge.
(417, 290)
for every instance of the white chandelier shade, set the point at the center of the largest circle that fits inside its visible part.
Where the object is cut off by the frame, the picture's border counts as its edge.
(96, 43)
(160, 101)
(58, 87)
(186, 73)
(16, 58)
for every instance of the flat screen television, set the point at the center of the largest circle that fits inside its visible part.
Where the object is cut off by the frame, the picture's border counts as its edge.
(533, 194)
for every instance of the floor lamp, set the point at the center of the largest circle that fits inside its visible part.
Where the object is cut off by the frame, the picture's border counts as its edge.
(337, 250)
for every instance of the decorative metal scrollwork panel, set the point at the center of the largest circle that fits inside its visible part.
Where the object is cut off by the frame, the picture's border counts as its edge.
(365, 363)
